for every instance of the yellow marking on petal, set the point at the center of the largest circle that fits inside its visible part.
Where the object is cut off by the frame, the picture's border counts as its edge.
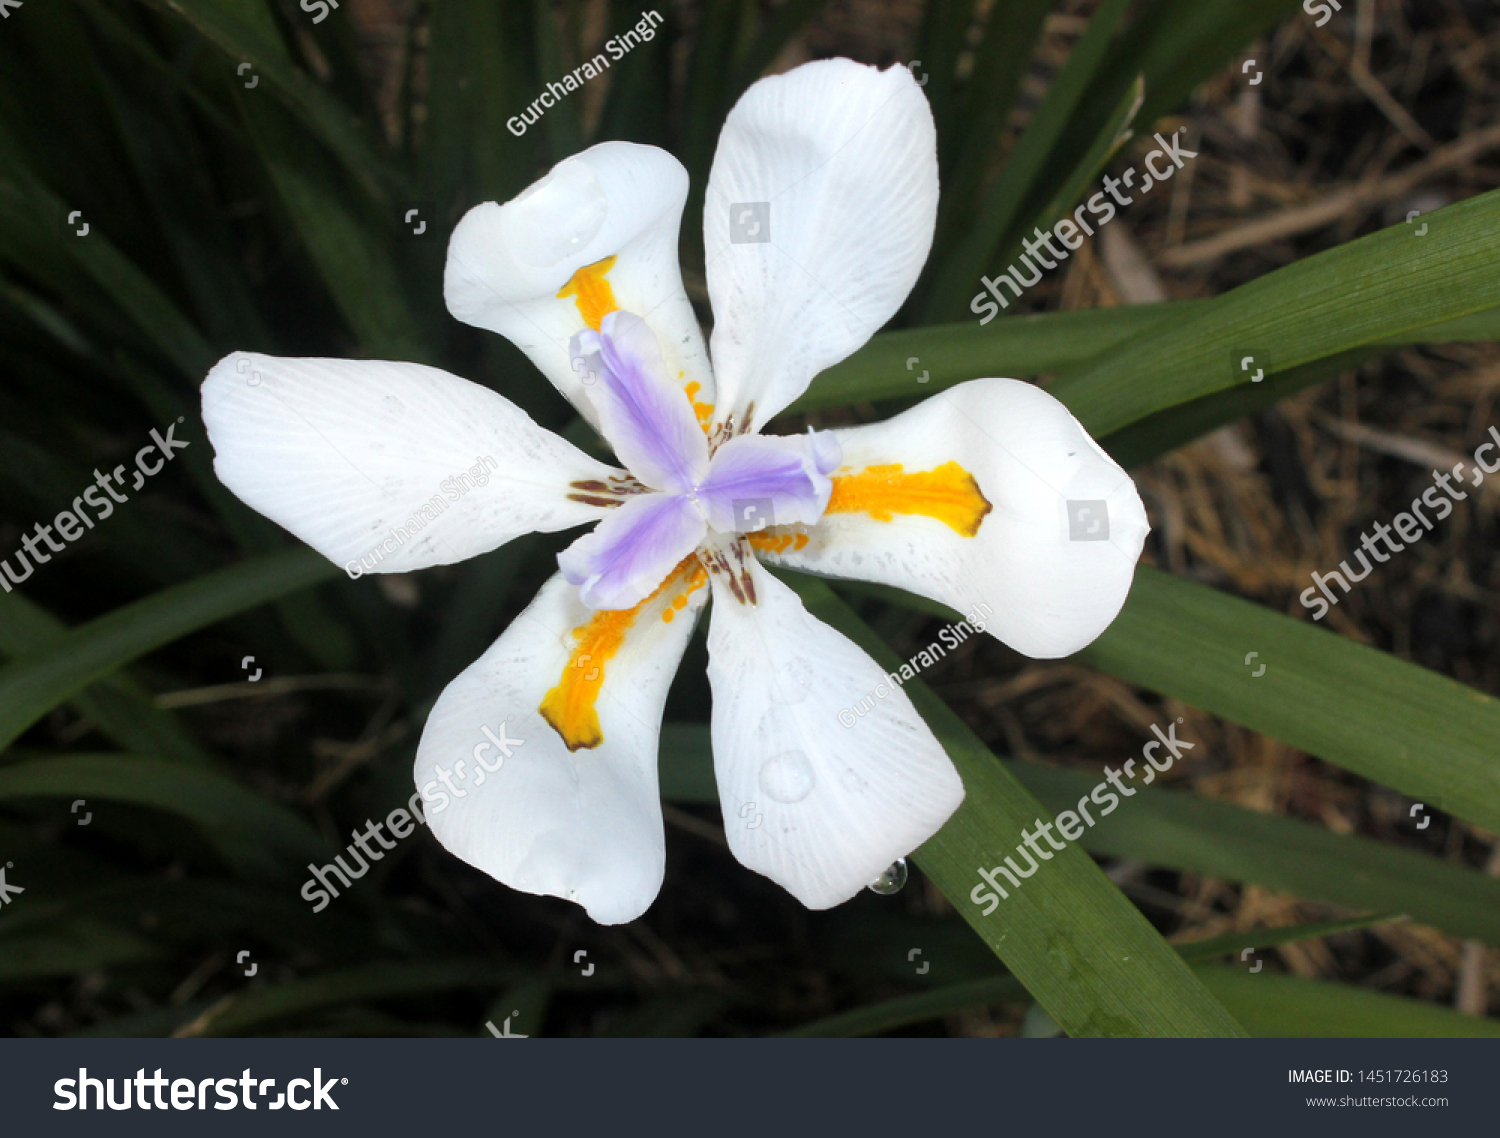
(696, 581)
(947, 493)
(570, 707)
(704, 411)
(767, 542)
(595, 297)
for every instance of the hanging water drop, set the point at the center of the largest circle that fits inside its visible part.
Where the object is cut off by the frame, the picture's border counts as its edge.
(891, 880)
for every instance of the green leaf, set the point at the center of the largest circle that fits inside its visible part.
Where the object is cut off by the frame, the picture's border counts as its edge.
(1200, 835)
(892, 364)
(478, 79)
(353, 250)
(1010, 38)
(786, 21)
(720, 25)
(26, 202)
(172, 168)
(255, 837)
(1077, 944)
(1276, 1006)
(640, 87)
(941, 40)
(1156, 434)
(563, 123)
(1367, 291)
(249, 1011)
(1176, 45)
(1394, 722)
(1114, 134)
(117, 706)
(68, 948)
(301, 96)
(960, 271)
(39, 681)
(158, 546)
(888, 1015)
(686, 763)
(1020, 346)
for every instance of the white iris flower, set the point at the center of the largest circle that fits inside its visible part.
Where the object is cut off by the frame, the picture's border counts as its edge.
(819, 217)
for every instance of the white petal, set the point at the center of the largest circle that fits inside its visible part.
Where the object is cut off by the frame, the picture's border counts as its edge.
(836, 163)
(388, 467)
(1050, 564)
(580, 824)
(819, 807)
(507, 263)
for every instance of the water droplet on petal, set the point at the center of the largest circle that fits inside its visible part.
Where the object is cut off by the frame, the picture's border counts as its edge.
(793, 681)
(787, 777)
(892, 879)
(557, 217)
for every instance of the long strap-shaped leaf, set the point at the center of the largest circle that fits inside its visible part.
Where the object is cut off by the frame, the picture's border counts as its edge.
(39, 681)
(960, 273)
(1279, 1006)
(1201, 835)
(1272, 1005)
(118, 707)
(917, 362)
(1188, 832)
(258, 838)
(888, 1015)
(1369, 712)
(1387, 284)
(330, 120)
(1078, 945)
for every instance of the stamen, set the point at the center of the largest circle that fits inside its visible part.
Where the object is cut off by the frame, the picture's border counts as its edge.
(738, 578)
(592, 492)
(947, 493)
